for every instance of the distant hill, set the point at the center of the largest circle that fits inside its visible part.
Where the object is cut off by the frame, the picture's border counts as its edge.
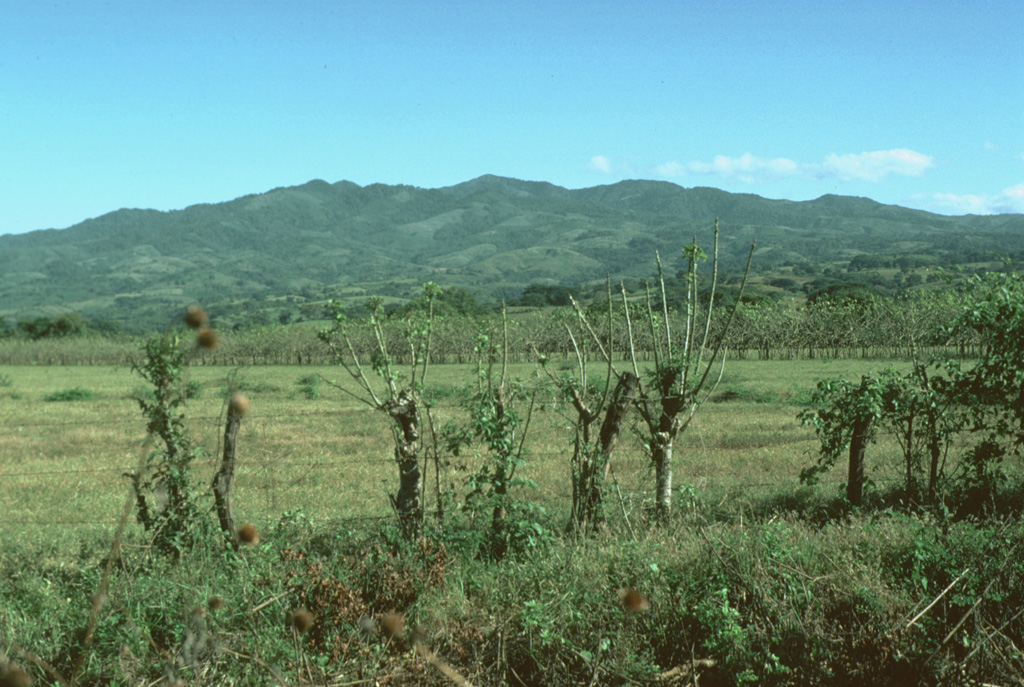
(493, 235)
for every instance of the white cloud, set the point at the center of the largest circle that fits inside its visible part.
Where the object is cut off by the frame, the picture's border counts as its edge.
(600, 163)
(876, 165)
(748, 168)
(1008, 200)
(671, 169)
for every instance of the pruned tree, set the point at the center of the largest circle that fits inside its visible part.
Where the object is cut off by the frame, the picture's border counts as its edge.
(591, 457)
(399, 399)
(680, 381)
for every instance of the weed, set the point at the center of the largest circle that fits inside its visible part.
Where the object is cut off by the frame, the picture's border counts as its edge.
(739, 393)
(193, 390)
(165, 503)
(253, 387)
(309, 385)
(75, 394)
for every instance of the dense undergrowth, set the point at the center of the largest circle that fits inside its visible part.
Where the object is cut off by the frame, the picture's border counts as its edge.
(816, 594)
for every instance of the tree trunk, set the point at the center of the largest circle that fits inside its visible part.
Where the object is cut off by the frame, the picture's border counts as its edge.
(404, 412)
(935, 451)
(588, 494)
(224, 479)
(662, 455)
(858, 445)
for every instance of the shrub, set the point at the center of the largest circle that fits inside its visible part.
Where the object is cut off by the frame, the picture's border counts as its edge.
(75, 394)
(193, 389)
(310, 386)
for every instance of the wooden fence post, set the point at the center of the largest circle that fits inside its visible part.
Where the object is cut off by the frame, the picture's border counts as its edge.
(222, 481)
(858, 445)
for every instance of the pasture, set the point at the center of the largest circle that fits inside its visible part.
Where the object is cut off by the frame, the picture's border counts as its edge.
(311, 447)
(755, 578)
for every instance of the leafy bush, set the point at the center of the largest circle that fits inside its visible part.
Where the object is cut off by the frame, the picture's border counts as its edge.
(75, 394)
(310, 386)
(193, 389)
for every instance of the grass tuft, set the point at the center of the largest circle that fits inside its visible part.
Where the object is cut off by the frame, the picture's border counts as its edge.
(75, 394)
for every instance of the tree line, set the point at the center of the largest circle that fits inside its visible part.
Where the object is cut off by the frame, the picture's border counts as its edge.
(842, 325)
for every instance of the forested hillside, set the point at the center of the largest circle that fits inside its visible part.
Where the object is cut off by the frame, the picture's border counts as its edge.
(268, 255)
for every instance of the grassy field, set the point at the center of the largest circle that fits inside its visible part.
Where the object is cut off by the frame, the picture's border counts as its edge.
(311, 447)
(742, 587)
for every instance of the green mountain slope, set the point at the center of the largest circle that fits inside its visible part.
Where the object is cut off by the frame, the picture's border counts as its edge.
(493, 235)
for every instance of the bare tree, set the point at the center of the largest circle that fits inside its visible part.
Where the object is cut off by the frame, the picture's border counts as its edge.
(678, 384)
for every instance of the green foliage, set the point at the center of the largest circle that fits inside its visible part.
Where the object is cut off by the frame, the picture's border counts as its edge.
(445, 302)
(309, 386)
(75, 394)
(837, 405)
(542, 295)
(174, 517)
(498, 428)
(516, 525)
(939, 404)
(67, 324)
(845, 293)
(193, 390)
(311, 241)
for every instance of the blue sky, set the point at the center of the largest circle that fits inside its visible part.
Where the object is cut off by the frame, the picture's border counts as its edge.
(140, 103)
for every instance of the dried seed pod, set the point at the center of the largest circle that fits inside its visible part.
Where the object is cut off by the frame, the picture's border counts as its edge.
(196, 317)
(14, 677)
(301, 619)
(392, 625)
(206, 338)
(633, 601)
(239, 404)
(248, 534)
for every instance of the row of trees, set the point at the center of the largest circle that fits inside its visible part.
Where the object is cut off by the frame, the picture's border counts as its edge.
(842, 326)
(666, 395)
(957, 422)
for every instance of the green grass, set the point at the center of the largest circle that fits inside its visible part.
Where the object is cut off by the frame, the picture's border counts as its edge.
(331, 456)
(76, 394)
(756, 577)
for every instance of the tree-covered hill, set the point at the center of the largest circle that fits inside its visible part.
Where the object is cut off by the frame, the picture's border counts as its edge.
(492, 235)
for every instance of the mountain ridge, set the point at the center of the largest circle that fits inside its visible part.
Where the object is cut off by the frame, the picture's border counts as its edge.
(492, 234)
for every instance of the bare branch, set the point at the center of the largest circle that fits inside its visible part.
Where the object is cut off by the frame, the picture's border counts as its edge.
(650, 319)
(629, 329)
(728, 323)
(664, 304)
(711, 296)
(590, 329)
